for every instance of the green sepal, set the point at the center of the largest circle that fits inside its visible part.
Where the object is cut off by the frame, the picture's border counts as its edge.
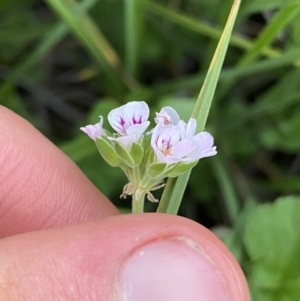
(181, 168)
(133, 156)
(148, 155)
(137, 153)
(108, 152)
(124, 154)
(156, 170)
(159, 170)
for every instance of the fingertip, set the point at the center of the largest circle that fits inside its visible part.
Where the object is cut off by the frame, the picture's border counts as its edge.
(182, 261)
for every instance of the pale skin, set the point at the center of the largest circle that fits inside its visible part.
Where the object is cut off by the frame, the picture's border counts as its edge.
(61, 238)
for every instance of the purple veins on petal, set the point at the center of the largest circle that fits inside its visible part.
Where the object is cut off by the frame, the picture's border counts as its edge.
(180, 144)
(130, 120)
(137, 121)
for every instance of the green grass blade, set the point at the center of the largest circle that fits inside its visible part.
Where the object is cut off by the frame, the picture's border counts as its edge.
(173, 197)
(269, 33)
(134, 27)
(94, 41)
(264, 66)
(51, 39)
(172, 194)
(226, 187)
(260, 67)
(205, 29)
(205, 97)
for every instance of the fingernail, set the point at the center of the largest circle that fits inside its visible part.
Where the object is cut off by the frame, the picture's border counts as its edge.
(174, 269)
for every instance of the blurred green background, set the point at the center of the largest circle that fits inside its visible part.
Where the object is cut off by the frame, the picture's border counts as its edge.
(65, 62)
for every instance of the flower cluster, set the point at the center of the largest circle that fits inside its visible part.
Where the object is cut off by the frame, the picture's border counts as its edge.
(169, 150)
(175, 141)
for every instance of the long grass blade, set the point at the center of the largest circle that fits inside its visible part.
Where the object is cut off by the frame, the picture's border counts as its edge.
(51, 39)
(134, 27)
(270, 32)
(95, 42)
(260, 67)
(205, 29)
(173, 197)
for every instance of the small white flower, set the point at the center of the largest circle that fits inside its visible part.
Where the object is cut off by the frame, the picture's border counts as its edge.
(204, 140)
(94, 131)
(130, 121)
(179, 144)
(168, 147)
(167, 116)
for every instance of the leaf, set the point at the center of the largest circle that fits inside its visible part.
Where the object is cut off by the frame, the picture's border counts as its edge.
(272, 241)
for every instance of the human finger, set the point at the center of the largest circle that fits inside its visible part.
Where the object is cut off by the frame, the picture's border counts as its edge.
(128, 257)
(40, 187)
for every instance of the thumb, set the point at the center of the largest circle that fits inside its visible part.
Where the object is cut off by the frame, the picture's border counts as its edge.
(137, 257)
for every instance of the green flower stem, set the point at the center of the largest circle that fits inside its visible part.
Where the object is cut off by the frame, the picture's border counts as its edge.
(136, 177)
(138, 199)
(148, 182)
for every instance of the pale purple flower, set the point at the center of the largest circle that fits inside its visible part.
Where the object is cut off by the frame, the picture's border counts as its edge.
(168, 146)
(167, 117)
(205, 148)
(94, 131)
(189, 129)
(179, 144)
(130, 121)
(204, 140)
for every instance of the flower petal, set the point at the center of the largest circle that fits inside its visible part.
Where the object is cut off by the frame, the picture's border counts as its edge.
(130, 114)
(126, 141)
(137, 130)
(191, 127)
(204, 140)
(205, 147)
(183, 148)
(167, 116)
(94, 131)
(137, 112)
(187, 130)
(182, 126)
(163, 140)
